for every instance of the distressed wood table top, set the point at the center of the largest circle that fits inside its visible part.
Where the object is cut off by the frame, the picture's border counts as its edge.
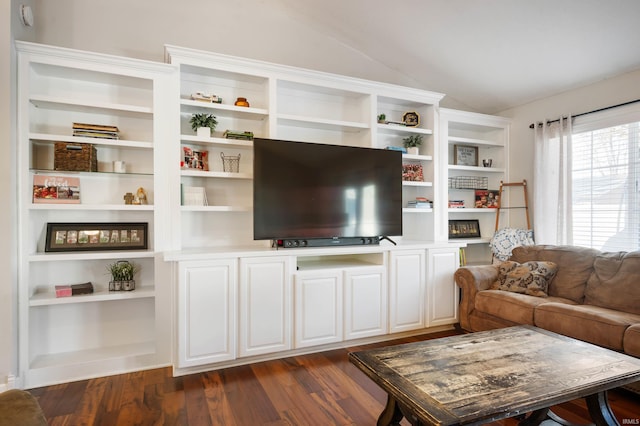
(485, 376)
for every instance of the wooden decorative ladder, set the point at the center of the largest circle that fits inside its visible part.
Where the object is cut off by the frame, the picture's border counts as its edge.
(523, 185)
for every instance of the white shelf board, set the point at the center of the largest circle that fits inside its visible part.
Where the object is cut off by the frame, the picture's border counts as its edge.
(122, 143)
(416, 210)
(92, 355)
(57, 102)
(471, 240)
(396, 128)
(473, 141)
(101, 207)
(320, 123)
(472, 210)
(413, 183)
(417, 157)
(49, 298)
(189, 106)
(215, 141)
(476, 169)
(216, 208)
(223, 175)
(90, 255)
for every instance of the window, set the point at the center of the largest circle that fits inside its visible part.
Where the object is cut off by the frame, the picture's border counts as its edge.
(605, 170)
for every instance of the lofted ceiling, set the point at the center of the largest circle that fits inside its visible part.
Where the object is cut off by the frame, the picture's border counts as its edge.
(486, 55)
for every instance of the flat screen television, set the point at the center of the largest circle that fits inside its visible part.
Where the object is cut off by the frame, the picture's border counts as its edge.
(313, 191)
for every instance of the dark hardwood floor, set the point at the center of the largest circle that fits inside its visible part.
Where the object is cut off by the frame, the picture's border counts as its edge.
(318, 389)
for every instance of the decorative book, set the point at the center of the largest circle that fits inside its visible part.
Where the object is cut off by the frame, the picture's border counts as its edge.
(486, 198)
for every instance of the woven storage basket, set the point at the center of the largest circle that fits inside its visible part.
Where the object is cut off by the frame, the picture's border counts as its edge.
(78, 157)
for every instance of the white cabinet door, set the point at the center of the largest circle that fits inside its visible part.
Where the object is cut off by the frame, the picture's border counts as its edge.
(365, 301)
(442, 292)
(265, 305)
(406, 290)
(206, 312)
(318, 308)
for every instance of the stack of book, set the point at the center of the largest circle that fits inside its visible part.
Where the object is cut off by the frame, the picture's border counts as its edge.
(235, 134)
(420, 203)
(456, 204)
(95, 131)
(194, 196)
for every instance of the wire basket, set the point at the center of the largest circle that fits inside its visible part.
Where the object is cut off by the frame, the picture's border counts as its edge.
(468, 182)
(230, 163)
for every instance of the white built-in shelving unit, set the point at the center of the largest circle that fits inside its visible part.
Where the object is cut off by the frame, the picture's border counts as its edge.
(102, 333)
(207, 294)
(291, 104)
(490, 136)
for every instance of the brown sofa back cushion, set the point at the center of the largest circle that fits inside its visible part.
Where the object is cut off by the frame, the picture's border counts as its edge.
(575, 265)
(615, 282)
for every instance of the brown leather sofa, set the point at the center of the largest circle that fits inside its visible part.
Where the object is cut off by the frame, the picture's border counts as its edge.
(594, 296)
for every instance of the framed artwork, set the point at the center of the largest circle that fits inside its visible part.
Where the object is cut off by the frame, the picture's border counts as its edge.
(464, 155)
(56, 190)
(464, 228)
(96, 236)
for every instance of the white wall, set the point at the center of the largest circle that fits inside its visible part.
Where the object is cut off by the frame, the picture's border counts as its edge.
(257, 29)
(605, 93)
(9, 27)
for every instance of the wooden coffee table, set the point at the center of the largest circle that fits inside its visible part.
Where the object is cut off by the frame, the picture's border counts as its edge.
(480, 377)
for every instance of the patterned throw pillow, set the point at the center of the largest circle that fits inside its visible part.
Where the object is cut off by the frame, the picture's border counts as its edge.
(530, 278)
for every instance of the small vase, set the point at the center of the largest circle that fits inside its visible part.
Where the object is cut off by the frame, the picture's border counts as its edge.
(203, 132)
(413, 150)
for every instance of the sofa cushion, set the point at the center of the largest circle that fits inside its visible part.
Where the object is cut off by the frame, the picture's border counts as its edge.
(575, 265)
(530, 278)
(631, 341)
(615, 282)
(593, 324)
(514, 307)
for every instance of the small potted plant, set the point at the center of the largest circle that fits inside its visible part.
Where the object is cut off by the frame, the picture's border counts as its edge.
(122, 273)
(203, 124)
(412, 143)
(382, 118)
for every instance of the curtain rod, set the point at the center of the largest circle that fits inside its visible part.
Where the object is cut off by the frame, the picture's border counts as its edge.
(533, 125)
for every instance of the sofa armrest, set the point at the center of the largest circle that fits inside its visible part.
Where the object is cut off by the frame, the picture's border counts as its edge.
(472, 279)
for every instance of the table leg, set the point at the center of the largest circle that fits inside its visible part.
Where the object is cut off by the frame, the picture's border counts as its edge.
(391, 415)
(600, 410)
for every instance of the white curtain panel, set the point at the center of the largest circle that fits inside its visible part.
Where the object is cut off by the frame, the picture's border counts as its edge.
(552, 182)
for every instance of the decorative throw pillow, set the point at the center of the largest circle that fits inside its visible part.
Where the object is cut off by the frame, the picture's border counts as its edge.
(530, 278)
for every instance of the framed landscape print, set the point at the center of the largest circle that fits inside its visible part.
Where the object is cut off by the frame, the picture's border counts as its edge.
(96, 236)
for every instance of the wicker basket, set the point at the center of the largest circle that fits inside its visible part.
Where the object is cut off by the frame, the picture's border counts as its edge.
(468, 182)
(77, 157)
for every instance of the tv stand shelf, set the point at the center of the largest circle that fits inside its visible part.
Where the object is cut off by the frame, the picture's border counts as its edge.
(307, 263)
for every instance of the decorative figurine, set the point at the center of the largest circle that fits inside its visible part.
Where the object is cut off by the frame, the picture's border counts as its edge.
(128, 198)
(141, 196)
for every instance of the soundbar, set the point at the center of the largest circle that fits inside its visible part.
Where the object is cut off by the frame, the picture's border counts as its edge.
(326, 242)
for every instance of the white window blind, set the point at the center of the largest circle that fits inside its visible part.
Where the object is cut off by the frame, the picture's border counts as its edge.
(605, 162)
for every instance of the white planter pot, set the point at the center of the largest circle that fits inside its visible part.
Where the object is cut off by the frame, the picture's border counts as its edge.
(203, 132)
(414, 150)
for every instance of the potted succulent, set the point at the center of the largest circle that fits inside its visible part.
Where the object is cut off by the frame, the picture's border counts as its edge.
(203, 124)
(382, 118)
(122, 273)
(412, 143)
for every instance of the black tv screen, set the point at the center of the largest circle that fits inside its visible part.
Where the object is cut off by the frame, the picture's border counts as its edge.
(311, 190)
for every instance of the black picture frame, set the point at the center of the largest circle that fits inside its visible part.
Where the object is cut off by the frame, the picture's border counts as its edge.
(464, 228)
(62, 237)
